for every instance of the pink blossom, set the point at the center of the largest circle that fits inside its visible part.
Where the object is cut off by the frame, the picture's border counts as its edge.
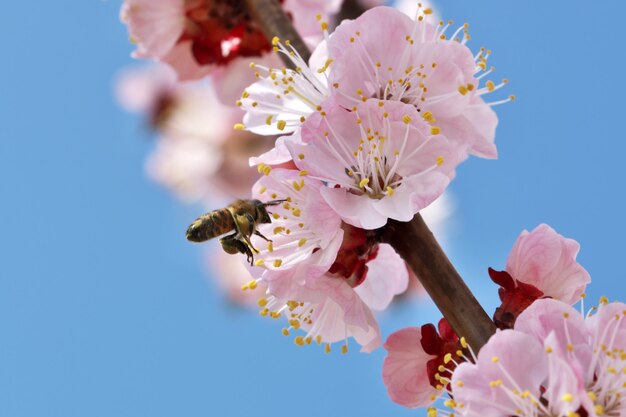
(545, 259)
(417, 357)
(197, 37)
(541, 264)
(381, 160)
(554, 363)
(325, 277)
(386, 55)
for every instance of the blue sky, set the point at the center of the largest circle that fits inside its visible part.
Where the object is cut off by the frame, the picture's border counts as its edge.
(105, 310)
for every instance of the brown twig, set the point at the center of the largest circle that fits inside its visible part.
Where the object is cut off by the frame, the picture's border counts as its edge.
(417, 246)
(350, 9)
(274, 22)
(412, 240)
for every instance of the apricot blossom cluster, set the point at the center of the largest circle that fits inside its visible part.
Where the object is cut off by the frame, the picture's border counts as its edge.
(373, 128)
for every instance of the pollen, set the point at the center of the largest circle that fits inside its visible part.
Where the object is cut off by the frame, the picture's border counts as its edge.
(447, 358)
(406, 119)
(463, 90)
(268, 121)
(303, 173)
(389, 191)
(567, 397)
(301, 156)
(281, 124)
(285, 332)
(277, 263)
(262, 189)
(495, 359)
(301, 242)
(490, 85)
(435, 130)
(428, 116)
(344, 349)
(267, 169)
(239, 126)
(327, 348)
(259, 262)
(275, 40)
(262, 302)
(440, 161)
(364, 182)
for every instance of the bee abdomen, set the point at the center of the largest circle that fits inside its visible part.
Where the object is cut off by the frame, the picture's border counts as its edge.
(210, 225)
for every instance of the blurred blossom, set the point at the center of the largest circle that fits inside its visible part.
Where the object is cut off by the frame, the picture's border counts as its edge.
(231, 276)
(198, 37)
(198, 155)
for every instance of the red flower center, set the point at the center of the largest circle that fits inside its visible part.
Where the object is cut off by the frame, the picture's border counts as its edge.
(357, 249)
(222, 30)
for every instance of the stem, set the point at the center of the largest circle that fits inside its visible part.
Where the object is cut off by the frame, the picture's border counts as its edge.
(417, 246)
(412, 240)
(274, 22)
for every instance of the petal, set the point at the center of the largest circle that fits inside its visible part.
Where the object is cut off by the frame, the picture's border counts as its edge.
(404, 369)
(387, 277)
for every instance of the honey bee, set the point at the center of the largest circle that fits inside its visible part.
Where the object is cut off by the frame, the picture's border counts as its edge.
(242, 216)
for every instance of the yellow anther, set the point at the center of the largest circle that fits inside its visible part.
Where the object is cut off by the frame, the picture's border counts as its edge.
(324, 25)
(267, 169)
(428, 116)
(259, 262)
(278, 262)
(428, 11)
(326, 65)
(440, 161)
(281, 124)
(301, 242)
(299, 340)
(406, 119)
(275, 40)
(262, 302)
(260, 167)
(449, 403)
(298, 186)
(389, 191)
(270, 246)
(296, 212)
(592, 395)
(463, 90)
(599, 409)
(252, 284)
(604, 300)
(463, 342)
(364, 182)
(344, 349)
(490, 85)
(567, 397)
(447, 358)
(303, 173)
(268, 121)
(239, 126)
(459, 353)
(264, 312)
(245, 94)
(495, 359)
(245, 287)
(285, 332)
(435, 130)
(470, 87)
(459, 383)
(548, 349)
(278, 230)
(327, 348)
(432, 412)
(262, 189)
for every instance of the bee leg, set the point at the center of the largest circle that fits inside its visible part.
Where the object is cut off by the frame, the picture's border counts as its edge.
(256, 232)
(245, 227)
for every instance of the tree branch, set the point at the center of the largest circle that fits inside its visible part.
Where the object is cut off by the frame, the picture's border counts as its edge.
(274, 22)
(417, 246)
